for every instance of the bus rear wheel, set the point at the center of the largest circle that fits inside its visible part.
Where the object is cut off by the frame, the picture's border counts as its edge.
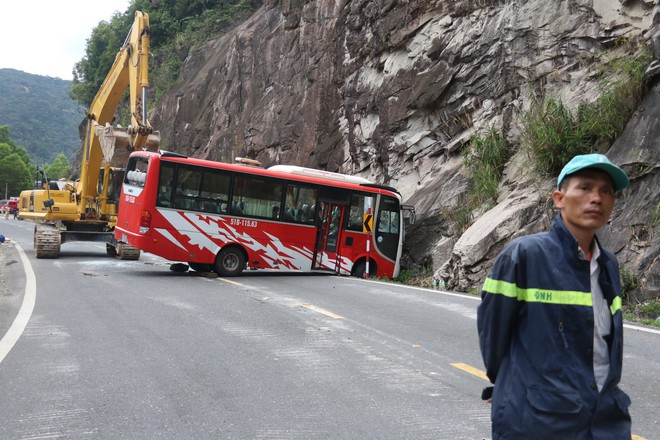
(229, 262)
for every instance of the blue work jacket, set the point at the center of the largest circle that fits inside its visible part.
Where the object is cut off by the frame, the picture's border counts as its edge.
(536, 333)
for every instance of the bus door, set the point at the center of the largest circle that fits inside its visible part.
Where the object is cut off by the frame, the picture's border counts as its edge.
(326, 253)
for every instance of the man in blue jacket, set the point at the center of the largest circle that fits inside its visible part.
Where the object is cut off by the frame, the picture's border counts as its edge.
(550, 322)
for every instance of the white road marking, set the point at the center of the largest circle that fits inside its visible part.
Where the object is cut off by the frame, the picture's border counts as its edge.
(426, 289)
(642, 329)
(20, 322)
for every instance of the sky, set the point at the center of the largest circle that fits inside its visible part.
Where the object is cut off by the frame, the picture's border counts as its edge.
(47, 37)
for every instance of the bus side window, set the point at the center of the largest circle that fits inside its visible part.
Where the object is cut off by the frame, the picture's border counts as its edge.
(299, 203)
(255, 196)
(163, 197)
(355, 216)
(236, 208)
(304, 214)
(214, 191)
(179, 198)
(359, 204)
(165, 182)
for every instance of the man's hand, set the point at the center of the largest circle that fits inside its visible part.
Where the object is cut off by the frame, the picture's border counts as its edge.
(487, 394)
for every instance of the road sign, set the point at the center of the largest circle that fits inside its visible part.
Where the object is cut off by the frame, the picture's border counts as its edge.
(368, 223)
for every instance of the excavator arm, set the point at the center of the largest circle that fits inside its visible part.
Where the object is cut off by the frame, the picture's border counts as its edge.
(86, 210)
(106, 145)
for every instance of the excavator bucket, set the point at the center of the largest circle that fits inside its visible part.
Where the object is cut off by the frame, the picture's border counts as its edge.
(116, 143)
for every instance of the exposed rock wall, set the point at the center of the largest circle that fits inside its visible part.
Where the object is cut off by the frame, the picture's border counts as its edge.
(392, 90)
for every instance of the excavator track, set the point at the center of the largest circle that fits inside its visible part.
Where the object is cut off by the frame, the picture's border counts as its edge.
(46, 241)
(127, 252)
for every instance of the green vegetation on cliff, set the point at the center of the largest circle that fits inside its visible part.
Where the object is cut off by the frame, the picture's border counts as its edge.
(554, 134)
(175, 27)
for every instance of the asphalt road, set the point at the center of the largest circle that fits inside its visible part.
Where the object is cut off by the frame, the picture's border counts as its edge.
(128, 350)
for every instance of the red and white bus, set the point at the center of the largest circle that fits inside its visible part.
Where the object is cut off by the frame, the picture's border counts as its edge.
(227, 217)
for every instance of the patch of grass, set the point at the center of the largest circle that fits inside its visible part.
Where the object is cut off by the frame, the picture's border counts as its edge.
(485, 158)
(553, 134)
(604, 120)
(405, 276)
(462, 216)
(628, 282)
(415, 277)
(651, 309)
(646, 313)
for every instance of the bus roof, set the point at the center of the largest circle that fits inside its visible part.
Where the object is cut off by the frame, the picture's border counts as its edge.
(286, 172)
(321, 174)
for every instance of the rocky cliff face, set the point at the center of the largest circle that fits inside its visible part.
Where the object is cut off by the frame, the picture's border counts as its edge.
(393, 90)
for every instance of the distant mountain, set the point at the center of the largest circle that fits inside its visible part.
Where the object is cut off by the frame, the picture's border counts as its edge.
(40, 115)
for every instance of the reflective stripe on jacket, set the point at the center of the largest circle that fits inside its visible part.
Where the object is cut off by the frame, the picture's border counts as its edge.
(535, 326)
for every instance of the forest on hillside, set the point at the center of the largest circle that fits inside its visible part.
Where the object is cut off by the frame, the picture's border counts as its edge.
(43, 113)
(40, 114)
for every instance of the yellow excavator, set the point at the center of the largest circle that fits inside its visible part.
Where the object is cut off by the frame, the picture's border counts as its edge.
(86, 209)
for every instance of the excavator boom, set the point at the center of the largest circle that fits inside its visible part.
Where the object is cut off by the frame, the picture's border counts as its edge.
(105, 143)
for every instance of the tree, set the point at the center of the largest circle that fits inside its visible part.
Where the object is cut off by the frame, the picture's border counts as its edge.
(10, 146)
(5, 149)
(23, 154)
(102, 47)
(14, 174)
(59, 168)
(15, 166)
(4, 136)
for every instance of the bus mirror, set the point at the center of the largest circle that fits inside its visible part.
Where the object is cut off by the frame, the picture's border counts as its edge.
(409, 215)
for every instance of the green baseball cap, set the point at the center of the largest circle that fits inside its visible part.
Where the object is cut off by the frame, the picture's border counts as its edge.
(598, 161)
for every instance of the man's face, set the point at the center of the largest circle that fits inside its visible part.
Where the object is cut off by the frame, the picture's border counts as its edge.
(586, 200)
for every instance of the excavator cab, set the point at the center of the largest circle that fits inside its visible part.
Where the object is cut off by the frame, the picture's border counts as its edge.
(112, 184)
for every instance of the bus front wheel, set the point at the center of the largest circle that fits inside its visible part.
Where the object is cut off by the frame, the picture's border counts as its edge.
(360, 269)
(230, 262)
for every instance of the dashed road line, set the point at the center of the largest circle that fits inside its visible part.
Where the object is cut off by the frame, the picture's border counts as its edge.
(236, 283)
(322, 311)
(472, 370)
